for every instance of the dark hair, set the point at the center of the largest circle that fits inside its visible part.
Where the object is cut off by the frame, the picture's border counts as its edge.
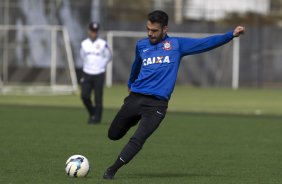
(159, 17)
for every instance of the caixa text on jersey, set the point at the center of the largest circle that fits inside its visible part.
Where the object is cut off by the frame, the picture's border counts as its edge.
(156, 60)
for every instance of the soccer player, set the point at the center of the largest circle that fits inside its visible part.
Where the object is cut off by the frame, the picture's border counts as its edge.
(96, 55)
(151, 82)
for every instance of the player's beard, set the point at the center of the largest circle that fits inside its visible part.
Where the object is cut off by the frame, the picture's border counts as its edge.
(155, 40)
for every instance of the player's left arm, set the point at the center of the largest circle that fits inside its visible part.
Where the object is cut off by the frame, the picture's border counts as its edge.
(238, 31)
(108, 53)
(190, 46)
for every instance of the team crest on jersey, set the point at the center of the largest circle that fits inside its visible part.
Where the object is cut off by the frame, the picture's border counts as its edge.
(167, 45)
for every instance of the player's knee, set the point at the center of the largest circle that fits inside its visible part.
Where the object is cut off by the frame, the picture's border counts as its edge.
(114, 135)
(84, 97)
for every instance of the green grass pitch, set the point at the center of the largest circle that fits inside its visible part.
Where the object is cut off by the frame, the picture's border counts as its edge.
(209, 136)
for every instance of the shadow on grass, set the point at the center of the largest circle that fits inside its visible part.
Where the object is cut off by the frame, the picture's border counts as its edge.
(172, 175)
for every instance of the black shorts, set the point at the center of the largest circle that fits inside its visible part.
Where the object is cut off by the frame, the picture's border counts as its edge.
(147, 109)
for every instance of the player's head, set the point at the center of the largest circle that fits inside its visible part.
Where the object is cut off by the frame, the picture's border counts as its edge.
(157, 22)
(93, 29)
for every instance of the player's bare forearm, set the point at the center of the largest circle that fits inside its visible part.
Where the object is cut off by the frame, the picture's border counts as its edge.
(239, 30)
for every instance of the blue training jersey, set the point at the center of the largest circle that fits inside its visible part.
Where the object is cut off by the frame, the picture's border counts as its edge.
(154, 70)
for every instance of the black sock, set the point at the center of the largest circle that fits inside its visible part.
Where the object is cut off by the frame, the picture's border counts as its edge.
(128, 152)
(118, 164)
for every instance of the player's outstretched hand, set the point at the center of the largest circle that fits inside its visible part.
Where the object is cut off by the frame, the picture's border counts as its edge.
(238, 31)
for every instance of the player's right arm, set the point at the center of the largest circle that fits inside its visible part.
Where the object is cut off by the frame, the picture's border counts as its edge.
(82, 52)
(135, 69)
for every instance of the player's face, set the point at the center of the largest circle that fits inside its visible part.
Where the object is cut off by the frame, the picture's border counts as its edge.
(155, 32)
(92, 34)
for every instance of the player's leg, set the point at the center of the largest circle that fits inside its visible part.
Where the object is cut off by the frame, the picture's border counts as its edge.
(128, 116)
(149, 122)
(98, 89)
(86, 88)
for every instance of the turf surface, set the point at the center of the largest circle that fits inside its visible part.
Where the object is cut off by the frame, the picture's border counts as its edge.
(187, 148)
(206, 144)
(184, 99)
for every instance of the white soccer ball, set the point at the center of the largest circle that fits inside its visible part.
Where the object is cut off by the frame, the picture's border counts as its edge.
(77, 166)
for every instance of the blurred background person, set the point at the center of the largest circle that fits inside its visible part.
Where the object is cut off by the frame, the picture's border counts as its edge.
(96, 55)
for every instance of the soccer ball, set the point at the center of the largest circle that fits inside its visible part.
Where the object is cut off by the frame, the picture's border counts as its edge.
(77, 166)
